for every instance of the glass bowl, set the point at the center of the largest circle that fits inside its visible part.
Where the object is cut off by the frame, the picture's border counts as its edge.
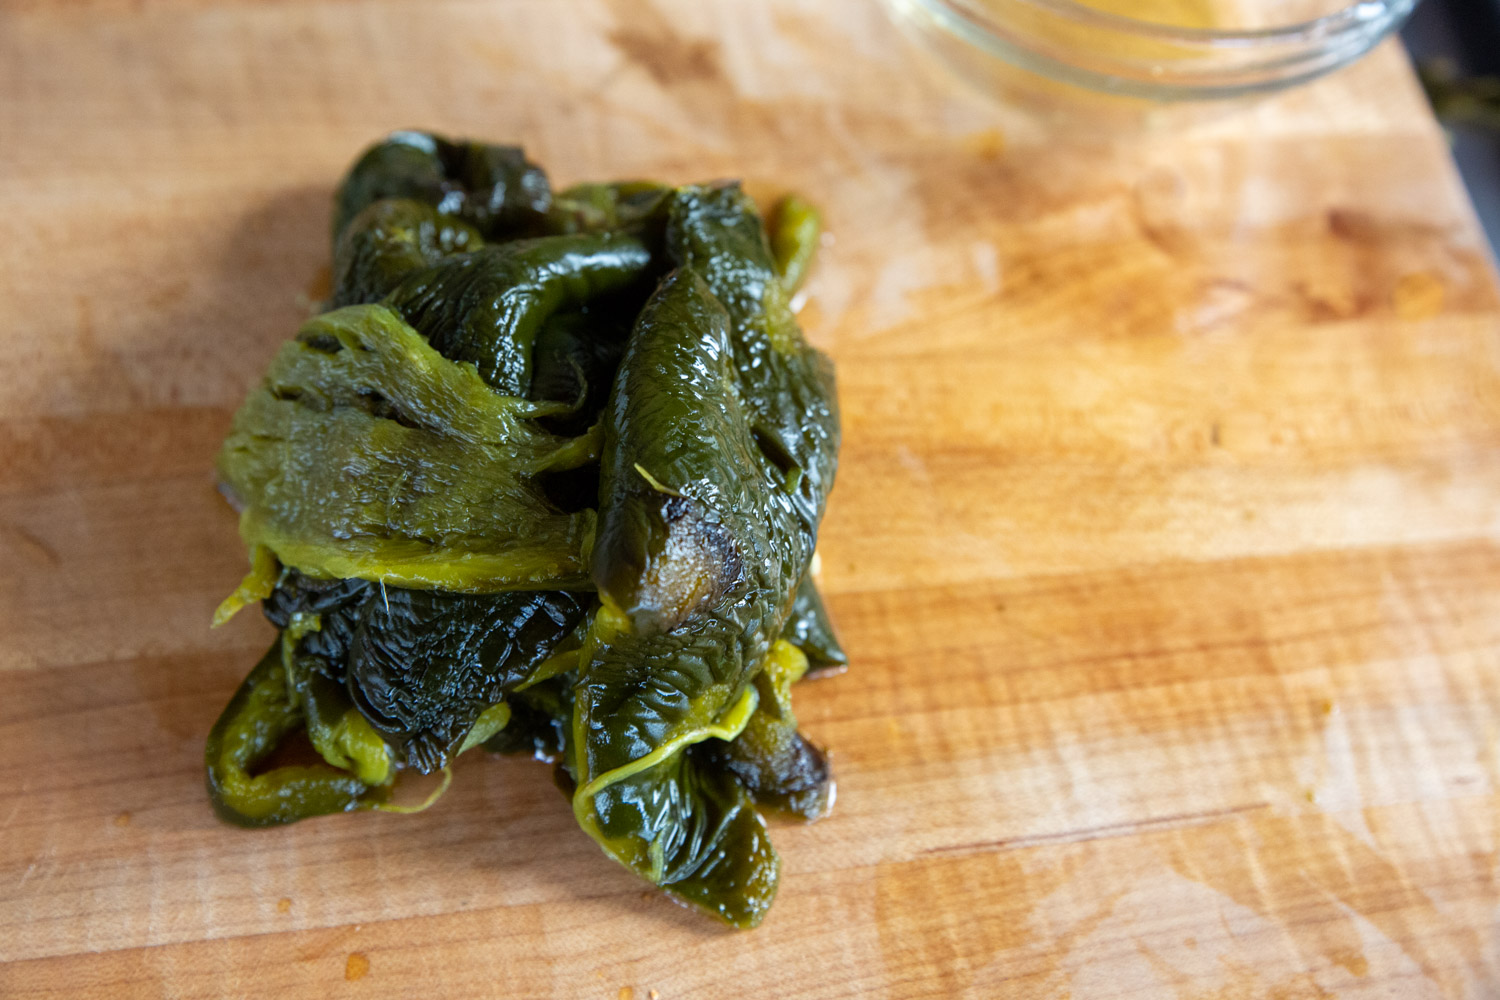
(1163, 50)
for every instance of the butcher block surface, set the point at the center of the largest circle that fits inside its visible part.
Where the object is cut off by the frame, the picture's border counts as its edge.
(1164, 543)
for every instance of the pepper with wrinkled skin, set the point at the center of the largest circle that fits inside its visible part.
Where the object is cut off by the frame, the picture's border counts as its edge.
(574, 359)
(340, 734)
(493, 188)
(683, 563)
(505, 494)
(487, 307)
(779, 766)
(366, 453)
(425, 665)
(420, 666)
(421, 707)
(787, 386)
(334, 603)
(682, 480)
(712, 487)
(389, 240)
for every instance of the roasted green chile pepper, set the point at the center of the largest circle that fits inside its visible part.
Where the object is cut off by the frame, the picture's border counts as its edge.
(487, 307)
(428, 673)
(389, 240)
(335, 604)
(809, 628)
(779, 766)
(597, 208)
(259, 716)
(682, 477)
(365, 453)
(547, 479)
(712, 488)
(573, 362)
(338, 732)
(424, 665)
(684, 567)
(493, 188)
(787, 385)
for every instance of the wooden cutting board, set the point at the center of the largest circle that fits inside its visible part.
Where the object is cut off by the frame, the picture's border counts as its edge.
(1164, 543)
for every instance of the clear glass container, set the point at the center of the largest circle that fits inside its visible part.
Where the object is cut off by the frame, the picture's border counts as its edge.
(1152, 50)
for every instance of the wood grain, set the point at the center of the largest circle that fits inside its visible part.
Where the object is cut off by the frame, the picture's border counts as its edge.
(1165, 540)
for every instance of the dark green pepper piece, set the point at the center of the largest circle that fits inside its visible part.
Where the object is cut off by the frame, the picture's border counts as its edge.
(420, 666)
(787, 385)
(574, 361)
(389, 240)
(541, 716)
(811, 630)
(698, 541)
(336, 729)
(493, 188)
(681, 473)
(488, 307)
(672, 653)
(336, 605)
(423, 665)
(709, 845)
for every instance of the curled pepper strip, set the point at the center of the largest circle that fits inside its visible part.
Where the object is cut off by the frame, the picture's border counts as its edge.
(809, 628)
(779, 766)
(259, 716)
(262, 714)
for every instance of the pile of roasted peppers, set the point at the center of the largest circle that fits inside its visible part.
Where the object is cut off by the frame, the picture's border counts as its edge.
(546, 478)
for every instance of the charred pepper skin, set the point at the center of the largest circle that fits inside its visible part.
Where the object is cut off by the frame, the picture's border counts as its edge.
(424, 665)
(421, 667)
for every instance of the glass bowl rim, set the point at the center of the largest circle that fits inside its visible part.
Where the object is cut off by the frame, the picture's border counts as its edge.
(1356, 17)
